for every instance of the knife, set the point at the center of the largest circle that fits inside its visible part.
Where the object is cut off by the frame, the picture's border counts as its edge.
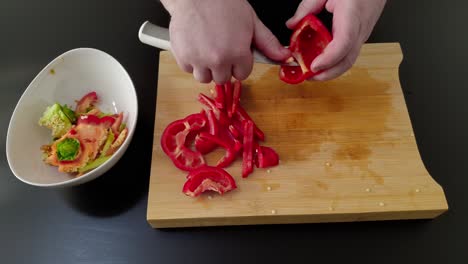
(158, 37)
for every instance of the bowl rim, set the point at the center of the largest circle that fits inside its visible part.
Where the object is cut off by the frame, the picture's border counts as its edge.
(89, 174)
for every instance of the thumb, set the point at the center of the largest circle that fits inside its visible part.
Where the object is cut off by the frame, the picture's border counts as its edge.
(267, 43)
(305, 7)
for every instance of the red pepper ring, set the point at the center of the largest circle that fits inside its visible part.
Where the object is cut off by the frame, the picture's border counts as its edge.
(208, 178)
(308, 40)
(231, 150)
(173, 142)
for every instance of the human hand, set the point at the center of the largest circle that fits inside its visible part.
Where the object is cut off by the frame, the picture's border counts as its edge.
(353, 21)
(212, 39)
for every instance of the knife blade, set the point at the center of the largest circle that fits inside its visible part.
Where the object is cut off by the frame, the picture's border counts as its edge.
(158, 37)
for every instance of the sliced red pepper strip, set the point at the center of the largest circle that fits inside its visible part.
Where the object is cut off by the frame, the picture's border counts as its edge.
(210, 103)
(219, 99)
(237, 124)
(117, 123)
(228, 94)
(266, 157)
(247, 157)
(242, 115)
(173, 142)
(86, 102)
(309, 39)
(234, 132)
(213, 123)
(208, 179)
(231, 150)
(236, 96)
(202, 145)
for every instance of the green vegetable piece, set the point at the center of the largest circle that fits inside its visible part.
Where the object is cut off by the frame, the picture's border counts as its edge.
(55, 119)
(94, 164)
(122, 127)
(110, 139)
(68, 149)
(69, 113)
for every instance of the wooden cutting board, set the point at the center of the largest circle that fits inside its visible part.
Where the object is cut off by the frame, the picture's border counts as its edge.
(347, 150)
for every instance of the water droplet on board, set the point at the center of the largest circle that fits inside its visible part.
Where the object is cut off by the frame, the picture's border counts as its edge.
(273, 211)
(381, 204)
(368, 190)
(269, 188)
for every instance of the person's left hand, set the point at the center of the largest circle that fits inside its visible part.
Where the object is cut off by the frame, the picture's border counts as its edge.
(353, 21)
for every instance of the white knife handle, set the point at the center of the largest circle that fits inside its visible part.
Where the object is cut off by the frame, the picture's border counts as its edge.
(155, 36)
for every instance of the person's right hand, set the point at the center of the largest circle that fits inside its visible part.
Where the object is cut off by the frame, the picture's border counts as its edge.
(212, 39)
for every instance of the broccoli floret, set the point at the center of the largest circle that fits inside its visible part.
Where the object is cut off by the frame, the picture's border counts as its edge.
(67, 149)
(55, 119)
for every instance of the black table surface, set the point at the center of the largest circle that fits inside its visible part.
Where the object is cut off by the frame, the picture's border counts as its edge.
(104, 221)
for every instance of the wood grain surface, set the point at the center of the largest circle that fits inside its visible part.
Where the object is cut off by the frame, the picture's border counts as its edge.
(347, 150)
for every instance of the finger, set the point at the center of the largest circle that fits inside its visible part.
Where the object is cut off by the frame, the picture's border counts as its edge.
(221, 75)
(187, 68)
(305, 7)
(346, 26)
(345, 64)
(267, 43)
(243, 68)
(202, 75)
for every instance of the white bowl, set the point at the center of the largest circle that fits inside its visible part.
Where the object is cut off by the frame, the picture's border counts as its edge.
(66, 79)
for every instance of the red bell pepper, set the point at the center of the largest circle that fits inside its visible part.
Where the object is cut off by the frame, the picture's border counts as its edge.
(219, 99)
(86, 103)
(236, 94)
(231, 150)
(208, 179)
(242, 116)
(107, 121)
(247, 157)
(266, 157)
(173, 142)
(228, 94)
(309, 39)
